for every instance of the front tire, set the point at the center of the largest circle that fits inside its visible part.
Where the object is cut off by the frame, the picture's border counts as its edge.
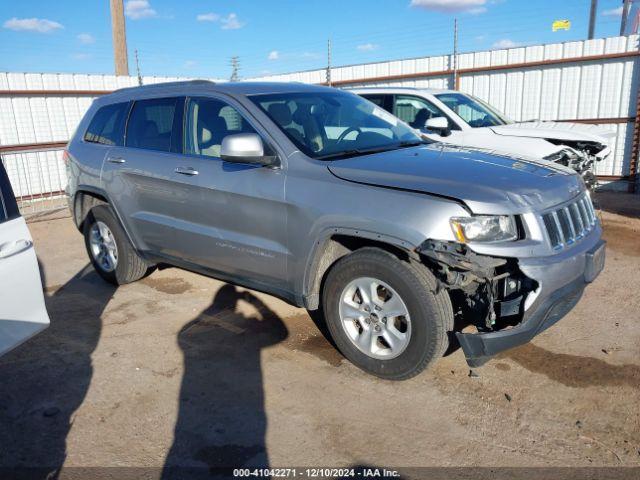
(109, 249)
(386, 315)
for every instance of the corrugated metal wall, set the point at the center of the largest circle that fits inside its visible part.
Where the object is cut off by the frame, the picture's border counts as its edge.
(599, 89)
(566, 89)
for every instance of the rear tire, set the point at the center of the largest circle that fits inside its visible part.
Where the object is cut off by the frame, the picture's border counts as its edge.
(109, 249)
(401, 326)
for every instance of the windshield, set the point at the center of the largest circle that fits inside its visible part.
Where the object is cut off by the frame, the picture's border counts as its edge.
(331, 124)
(473, 111)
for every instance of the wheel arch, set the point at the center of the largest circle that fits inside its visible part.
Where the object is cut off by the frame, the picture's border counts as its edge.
(83, 201)
(339, 242)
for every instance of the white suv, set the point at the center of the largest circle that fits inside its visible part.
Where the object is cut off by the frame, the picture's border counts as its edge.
(460, 119)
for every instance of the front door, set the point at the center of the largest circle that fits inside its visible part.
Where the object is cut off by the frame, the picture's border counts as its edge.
(235, 219)
(22, 309)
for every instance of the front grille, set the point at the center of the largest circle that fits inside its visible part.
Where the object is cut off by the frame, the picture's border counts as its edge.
(570, 223)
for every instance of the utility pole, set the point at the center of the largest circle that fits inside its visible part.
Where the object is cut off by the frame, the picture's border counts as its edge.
(235, 68)
(592, 18)
(138, 69)
(119, 38)
(625, 16)
(329, 62)
(456, 80)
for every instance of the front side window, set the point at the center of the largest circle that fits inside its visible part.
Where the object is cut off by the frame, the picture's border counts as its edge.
(416, 111)
(329, 124)
(473, 111)
(107, 125)
(151, 123)
(208, 121)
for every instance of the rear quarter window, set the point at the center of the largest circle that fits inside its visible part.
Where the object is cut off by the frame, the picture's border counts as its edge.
(8, 205)
(150, 124)
(107, 125)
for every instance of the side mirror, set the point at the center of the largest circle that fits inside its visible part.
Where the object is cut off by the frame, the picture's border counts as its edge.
(246, 148)
(439, 125)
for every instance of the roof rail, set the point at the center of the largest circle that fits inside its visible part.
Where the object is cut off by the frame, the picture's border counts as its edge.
(167, 84)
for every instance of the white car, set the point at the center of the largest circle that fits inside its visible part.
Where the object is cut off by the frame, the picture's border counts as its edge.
(22, 309)
(460, 119)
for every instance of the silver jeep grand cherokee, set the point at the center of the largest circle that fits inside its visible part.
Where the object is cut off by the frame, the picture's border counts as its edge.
(319, 197)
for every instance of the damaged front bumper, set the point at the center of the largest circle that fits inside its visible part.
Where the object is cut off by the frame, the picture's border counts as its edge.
(561, 280)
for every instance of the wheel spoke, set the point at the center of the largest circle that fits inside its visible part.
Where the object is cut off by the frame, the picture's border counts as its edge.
(350, 310)
(395, 338)
(104, 231)
(364, 290)
(394, 307)
(366, 340)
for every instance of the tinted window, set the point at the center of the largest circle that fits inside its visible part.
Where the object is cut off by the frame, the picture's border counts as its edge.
(107, 125)
(473, 110)
(208, 122)
(377, 99)
(151, 123)
(8, 205)
(416, 111)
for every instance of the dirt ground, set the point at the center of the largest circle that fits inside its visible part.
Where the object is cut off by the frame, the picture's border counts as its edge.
(179, 369)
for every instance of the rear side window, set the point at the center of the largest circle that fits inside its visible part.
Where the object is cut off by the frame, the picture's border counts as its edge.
(107, 125)
(151, 122)
(379, 100)
(8, 205)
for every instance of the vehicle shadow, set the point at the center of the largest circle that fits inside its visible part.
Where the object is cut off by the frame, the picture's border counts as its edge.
(221, 422)
(45, 380)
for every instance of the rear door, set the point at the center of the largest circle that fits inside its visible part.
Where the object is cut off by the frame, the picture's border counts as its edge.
(22, 309)
(140, 176)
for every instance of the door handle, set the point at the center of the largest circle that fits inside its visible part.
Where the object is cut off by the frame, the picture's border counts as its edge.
(116, 160)
(186, 171)
(13, 248)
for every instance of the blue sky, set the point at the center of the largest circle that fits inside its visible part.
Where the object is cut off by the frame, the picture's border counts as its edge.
(198, 37)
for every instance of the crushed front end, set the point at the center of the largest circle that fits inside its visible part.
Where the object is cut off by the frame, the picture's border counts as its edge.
(580, 156)
(505, 296)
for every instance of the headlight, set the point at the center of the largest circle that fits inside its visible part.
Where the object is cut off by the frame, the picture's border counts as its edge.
(484, 228)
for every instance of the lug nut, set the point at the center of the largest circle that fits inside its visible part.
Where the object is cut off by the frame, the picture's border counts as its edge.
(367, 321)
(378, 308)
(377, 328)
(384, 319)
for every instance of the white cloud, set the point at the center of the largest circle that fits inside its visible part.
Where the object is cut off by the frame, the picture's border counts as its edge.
(273, 55)
(82, 56)
(208, 17)
(614, 12)
(138, 9)
(40, 25)
(471, 6)
(231, 22)
(505, 43)
(367, 47)
(86, 38)
(190, 64)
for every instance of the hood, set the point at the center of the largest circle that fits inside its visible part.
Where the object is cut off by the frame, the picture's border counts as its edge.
(486, 183)
(556, 130)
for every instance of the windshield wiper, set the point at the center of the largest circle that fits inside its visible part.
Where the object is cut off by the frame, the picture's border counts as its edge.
(356, 152)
